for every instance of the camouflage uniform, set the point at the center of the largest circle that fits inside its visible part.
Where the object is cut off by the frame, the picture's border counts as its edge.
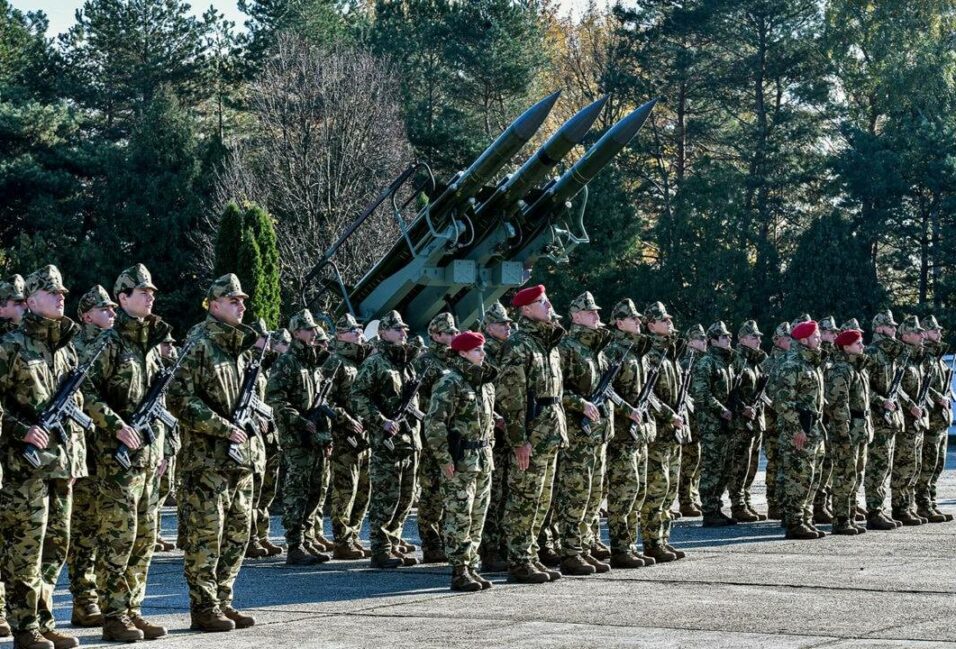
(459, 430)
(265, 481)
(688, 488)
(939, 421)
(821, 507)
(747, 433)
(908, 454)
(430, 366)
(295, 381)
(166, 484)
(531, 369)
(376, 396)
(350, 451)
(35, 503)
(215, 501)
(774, 472)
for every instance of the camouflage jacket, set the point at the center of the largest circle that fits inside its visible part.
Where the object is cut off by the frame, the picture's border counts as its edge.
(712, 381)
(33, 359)
(936, 371)
(882, 360)
(87, 335)
(461, 415)
(430, 365)
(344, 361)
(377, 395)
(203, 396)
(768, 367)
(913, 378)
(798, 393)
(294, 383)
(848, 399)
(493, 348)
(667, 389)
(748, 372)
(583, 361)
(6, 326)
(531, 369)
(628, 384)
(117, 383)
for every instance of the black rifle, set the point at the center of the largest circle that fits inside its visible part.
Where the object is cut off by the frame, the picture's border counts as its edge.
(152, 408)
(893, 394)
(250, 409)
(646, 398)
(407, 408)
(321, 413)
(61, 407)
(760, 396)
(605, 389)
(683, 403)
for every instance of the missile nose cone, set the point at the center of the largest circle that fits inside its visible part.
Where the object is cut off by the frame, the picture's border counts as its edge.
(625, 130)
(531, 120)
(578, 126)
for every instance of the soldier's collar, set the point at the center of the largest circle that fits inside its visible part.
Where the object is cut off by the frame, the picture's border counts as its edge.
(55, 333)
(351, 351)
(236, 339)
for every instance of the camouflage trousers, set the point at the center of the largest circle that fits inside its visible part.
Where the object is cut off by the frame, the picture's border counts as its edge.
(81, 558)
(801, 479)
(392, 475)
(315, 524)
(264, 487)
(934, 459)
(529, 499)
(907, 460)
(716, 446)
(688, 488)
(350, 493)
(577, 492)
(35, 519)
(741, 467)
(626, 470)
(493, 538)
(663, 464)
(825, 491)
(879, 462)
(128, 502)
(165, 485)
(846, 456)
(466, 496)
(772, 475)
(215, 514)
(301, 490)
(430, 502)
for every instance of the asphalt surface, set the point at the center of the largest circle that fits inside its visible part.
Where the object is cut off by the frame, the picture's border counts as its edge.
(743, 586)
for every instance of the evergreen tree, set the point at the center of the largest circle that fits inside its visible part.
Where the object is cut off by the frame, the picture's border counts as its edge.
(228, 240)
(268, 300)
(249, 271)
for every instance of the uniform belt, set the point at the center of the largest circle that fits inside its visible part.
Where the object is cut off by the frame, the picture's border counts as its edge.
(474, 446)
(547, 401)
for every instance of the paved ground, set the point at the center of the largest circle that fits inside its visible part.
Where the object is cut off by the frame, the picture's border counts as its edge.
(739, 587)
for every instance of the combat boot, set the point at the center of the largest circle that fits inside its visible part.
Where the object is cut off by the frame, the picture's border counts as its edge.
(743, 515)
(906, 517)
(159, 547)
(168, 546)
(485, 584)
(30, 640)
(461, 580)
(211, 621)
(361, 548)
(648, 561)
(760, 517)
(406, 559)
(551, 573)
(241, 620)
(61, 640)
(600, 551)
(491, 562)
(5, 629)
(322, 543)
(690, 509)
(626, 560)
(347, 552)
(273, 549)
(299, 557)
(576, 565)
(820, 533)
(879, 521)
(675, 514)
(843, 527)
(405, 547)
(859, 528)
(86, 615)
(716, 520)
(947, 517)
(680, 554)
(860, 514)
(150, 631)
(525, 573)
(821, 516)
(121, 629)
(549, 557)
(433, 555)
(314, 550)
(930, 516)
(659, 553)
(599, 566)
(386, 562)
(800, 533)
(773, 513)
(256, 551)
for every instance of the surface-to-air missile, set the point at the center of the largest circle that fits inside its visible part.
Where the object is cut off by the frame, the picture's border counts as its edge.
(473, 242)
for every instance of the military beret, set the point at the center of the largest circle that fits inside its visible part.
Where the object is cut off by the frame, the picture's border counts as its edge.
(443, 323)
(625, 309)
(717, 329)
(804, 330)
(133, 277)
(930, 323)
(656, 311)
(696, 333)
(347, 323)
(47, 279)
(848, 337)
(852, 323)
(392, 320)
(226, 286)
(884, 319)
(584, 302)
(782, 330)
(911, 325)
(96, 297)
(466, 341)
(526, 296)
(828, 324)
(12, 288)
(302, 320)
(749, 328)
(496, 314)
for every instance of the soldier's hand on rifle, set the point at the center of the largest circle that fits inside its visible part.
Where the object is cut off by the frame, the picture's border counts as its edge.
(391, 427)
(916, 411)
(499, 422)
(449, 470)
(37, 437)
(635, 416)
(129, 437)
(800, 440)
(749, 412)
(327, 450)
(591, 411)
(727, 415)
(677, 422)
(890, 405)
(161, 469)
(238, 436)
(523, 456)
(943, 403)
(355, 426)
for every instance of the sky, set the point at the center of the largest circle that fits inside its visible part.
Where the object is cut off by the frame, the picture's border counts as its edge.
(61, 12)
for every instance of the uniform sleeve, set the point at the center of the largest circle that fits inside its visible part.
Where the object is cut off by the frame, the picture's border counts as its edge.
(95, 386)
(571, 371)
(282, 384)
(702, 388)
(838, 401)
(441, 413)
(185, 401)
(362, 395)
(511, 393)
(909, 386)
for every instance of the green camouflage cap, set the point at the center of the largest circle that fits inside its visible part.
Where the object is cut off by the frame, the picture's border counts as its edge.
(133, 277)
(782, 330)
(930, 323)
(347, 323)
(584, 302)
(303, 320)
(749, 328)
(828, 324)
(443, 323)
(96, 297)
(696, 333)
(717, 329)
(884, 319)
(47, 279)
(392, 320)
(12, 288)
(169, 337)
(911, 325)
(656, 311)
(496, 314)
(851, 325)
(226, 286)
(283, 336)
(625, 309)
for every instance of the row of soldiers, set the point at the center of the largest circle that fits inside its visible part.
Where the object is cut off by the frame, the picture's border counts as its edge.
(511, 458)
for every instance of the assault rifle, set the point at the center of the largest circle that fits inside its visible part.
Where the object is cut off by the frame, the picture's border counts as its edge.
(407, 408)
(893, 394)
(760, 396)
(645, 397)
(61, 407)
(321, 412)
(605, 389)
(152, 408)
(250, 409)
(684, 405)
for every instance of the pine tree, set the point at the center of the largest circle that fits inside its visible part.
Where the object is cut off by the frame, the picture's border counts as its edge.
(268, 299)
(228, 240)
(249, 271)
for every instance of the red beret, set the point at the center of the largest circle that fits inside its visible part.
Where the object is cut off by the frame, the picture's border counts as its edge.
(526, 296)
(466, 341)
(849, 337)
(804, 330)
